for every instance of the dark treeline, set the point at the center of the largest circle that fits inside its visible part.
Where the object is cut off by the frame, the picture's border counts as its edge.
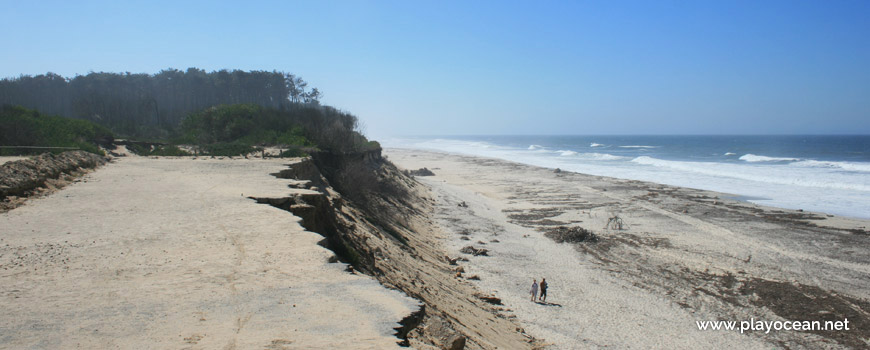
(152, 106)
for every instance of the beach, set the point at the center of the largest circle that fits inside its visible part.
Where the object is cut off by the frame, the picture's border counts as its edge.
(684, 256)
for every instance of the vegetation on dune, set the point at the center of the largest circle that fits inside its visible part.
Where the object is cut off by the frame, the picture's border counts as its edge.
(23, 127)
(223, 113)
(245, 124)
(237, 129)
(158, 150)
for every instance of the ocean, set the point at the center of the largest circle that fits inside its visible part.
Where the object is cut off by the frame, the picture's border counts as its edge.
(829, 174)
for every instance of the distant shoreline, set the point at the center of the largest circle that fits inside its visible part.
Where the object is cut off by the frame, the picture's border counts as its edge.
(814, 173)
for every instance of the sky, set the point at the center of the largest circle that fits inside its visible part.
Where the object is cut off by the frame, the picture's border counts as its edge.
(493, 67)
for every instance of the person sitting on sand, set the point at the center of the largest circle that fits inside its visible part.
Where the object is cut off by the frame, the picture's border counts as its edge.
(534, 290)
(543, 290)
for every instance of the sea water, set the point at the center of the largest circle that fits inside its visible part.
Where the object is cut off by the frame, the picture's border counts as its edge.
(829, 174)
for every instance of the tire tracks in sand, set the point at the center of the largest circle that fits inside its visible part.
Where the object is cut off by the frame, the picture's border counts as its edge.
(241, 317)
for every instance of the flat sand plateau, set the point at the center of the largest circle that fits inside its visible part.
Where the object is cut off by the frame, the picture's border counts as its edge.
(687, 255)
(171, 254)
(10, 159)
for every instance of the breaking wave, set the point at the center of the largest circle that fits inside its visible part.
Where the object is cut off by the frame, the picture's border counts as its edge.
(848, 166)
(754, 158)
(781, 175)
(632, 146)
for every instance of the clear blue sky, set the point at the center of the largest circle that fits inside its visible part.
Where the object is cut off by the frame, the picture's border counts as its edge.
(493, 67)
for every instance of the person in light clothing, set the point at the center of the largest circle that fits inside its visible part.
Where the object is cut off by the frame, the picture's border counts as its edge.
(534, 290)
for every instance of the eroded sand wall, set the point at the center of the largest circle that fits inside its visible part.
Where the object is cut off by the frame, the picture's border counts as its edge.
(21, 176)
(381, 224)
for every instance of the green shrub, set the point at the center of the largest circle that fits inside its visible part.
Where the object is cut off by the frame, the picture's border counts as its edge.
(23, 127)
(169, 151)
(139, 149)
(298, 125)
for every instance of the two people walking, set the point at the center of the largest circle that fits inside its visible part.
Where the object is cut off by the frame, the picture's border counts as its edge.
(543, 287)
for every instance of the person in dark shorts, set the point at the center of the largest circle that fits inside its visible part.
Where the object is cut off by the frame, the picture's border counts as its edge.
(543, 290)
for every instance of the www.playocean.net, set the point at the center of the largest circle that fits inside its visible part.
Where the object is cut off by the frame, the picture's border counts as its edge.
(754, 325)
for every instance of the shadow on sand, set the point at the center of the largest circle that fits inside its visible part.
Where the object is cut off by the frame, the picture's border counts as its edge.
(547, 304)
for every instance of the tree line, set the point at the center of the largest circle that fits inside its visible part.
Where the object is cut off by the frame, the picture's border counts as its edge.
(153, 106)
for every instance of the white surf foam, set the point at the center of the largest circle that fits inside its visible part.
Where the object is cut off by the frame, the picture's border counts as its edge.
(603, 156)
(833, 187)
(770, 174)
(755, 158)
(595, 145)
(848, 166)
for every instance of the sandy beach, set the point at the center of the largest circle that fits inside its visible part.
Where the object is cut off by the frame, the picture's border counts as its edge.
(172, 254)
(684, 256)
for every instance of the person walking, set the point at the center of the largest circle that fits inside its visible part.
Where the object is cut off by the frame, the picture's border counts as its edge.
(543, 290)
(534, 290)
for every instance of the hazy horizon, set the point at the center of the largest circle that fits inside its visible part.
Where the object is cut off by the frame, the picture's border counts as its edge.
(495, 68)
